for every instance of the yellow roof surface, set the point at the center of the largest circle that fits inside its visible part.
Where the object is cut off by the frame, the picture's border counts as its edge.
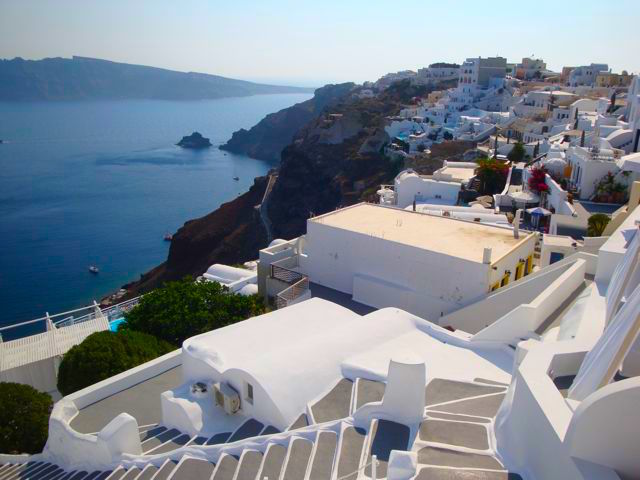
(449, 236)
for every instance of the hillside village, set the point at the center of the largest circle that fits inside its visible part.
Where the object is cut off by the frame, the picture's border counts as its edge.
(476, 319)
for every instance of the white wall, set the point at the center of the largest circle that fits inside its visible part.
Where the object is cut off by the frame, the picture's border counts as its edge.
(605, 428)
(78, 450)
(477, 316)
(413, 187)
(557, 198)
(424, 283)
(509, 262)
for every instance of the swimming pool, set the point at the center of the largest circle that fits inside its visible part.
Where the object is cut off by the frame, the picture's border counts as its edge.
(115, 324)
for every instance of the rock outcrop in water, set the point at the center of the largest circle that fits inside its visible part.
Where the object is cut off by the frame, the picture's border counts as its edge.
(195, 140)
(334, 160)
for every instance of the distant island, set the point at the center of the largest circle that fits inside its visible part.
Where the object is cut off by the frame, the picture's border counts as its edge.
(82, 78)
(195, 140)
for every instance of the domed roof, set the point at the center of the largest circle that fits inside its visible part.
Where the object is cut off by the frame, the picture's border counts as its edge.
(405, 174)
(248, 289)
(277, 241)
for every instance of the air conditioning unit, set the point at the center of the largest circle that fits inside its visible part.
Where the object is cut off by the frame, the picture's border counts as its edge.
(226, 397)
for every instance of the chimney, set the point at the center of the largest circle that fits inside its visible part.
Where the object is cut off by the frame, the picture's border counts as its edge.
(516, 224)
(486, 255)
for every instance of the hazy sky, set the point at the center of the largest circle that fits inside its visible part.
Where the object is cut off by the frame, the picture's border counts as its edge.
(312, 43)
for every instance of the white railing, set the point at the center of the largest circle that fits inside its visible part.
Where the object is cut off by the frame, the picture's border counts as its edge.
(117, 311)
(78, 315)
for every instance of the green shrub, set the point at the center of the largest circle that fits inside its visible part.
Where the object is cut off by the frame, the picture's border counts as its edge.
(24, 418)
(517, 153)
(105, 354)
(596, 224)
(185, 308)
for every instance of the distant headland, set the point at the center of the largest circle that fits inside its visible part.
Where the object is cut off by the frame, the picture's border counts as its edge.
(82, 78)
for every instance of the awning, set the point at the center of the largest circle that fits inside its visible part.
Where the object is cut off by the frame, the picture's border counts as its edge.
(543, 212)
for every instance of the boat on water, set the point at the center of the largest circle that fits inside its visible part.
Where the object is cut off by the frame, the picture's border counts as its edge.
(236, 178)
(93, 269)
(168, 237)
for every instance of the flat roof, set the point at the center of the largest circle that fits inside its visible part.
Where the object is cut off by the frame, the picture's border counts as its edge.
(449, 236)
(459, 172)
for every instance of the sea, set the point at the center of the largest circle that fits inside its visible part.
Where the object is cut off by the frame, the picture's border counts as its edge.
(100, 183)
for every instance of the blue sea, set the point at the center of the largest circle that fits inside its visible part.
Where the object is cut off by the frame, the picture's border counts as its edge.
(100, 183)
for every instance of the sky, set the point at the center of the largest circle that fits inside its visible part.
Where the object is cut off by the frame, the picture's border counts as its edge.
(300, 42)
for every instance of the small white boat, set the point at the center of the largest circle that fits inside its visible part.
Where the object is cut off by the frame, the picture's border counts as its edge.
(168, 237)
(236, 178)
(93, 269)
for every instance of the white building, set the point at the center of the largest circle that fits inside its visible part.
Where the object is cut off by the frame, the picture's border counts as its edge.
(482, 72)
(428, 265)
(438, 72)
(537, 380)
(237, 280)
(589, 167)
(442, 187)
(586, 74)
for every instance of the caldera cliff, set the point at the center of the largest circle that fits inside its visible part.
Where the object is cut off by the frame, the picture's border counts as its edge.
(333, 158)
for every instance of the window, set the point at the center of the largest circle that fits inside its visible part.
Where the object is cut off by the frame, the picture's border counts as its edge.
(505, 278)
(249, 393)
(529, 264)
(520, 270)
(495, 286)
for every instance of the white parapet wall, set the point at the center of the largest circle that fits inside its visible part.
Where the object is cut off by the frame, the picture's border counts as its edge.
(75, 450)
(479, 315)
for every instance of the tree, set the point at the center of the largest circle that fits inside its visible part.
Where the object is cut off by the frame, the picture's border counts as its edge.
(492, 174)
(24, 418)
(517, 153)
(596, 224)
(447, 135)
(105, 354)
(185, 308)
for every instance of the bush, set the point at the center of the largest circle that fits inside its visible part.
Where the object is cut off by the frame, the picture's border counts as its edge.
(105, 354)
(185, 308)
(492, 174)
(517, 153)
(24, 418)
(596, 224)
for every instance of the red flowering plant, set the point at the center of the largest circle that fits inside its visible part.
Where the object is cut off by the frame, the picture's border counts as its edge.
(537, 180)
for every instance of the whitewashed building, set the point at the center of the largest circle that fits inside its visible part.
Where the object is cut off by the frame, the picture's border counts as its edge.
(537, 380)
(442, 187)
(425, 264)
(586, 74)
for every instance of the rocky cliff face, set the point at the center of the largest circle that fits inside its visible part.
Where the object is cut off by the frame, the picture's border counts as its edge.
(334, 160)
(230, 234)
(268, 137)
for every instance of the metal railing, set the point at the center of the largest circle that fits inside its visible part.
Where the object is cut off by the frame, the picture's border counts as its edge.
(117, 311)
(285, 274)
(298, 282)
(76, 316)
(292, 293)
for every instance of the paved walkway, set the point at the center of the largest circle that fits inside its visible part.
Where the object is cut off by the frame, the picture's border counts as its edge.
(142, 401)
(343, 299)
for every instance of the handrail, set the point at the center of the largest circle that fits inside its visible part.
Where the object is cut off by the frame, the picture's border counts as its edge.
(71, 320)
(291, 293)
